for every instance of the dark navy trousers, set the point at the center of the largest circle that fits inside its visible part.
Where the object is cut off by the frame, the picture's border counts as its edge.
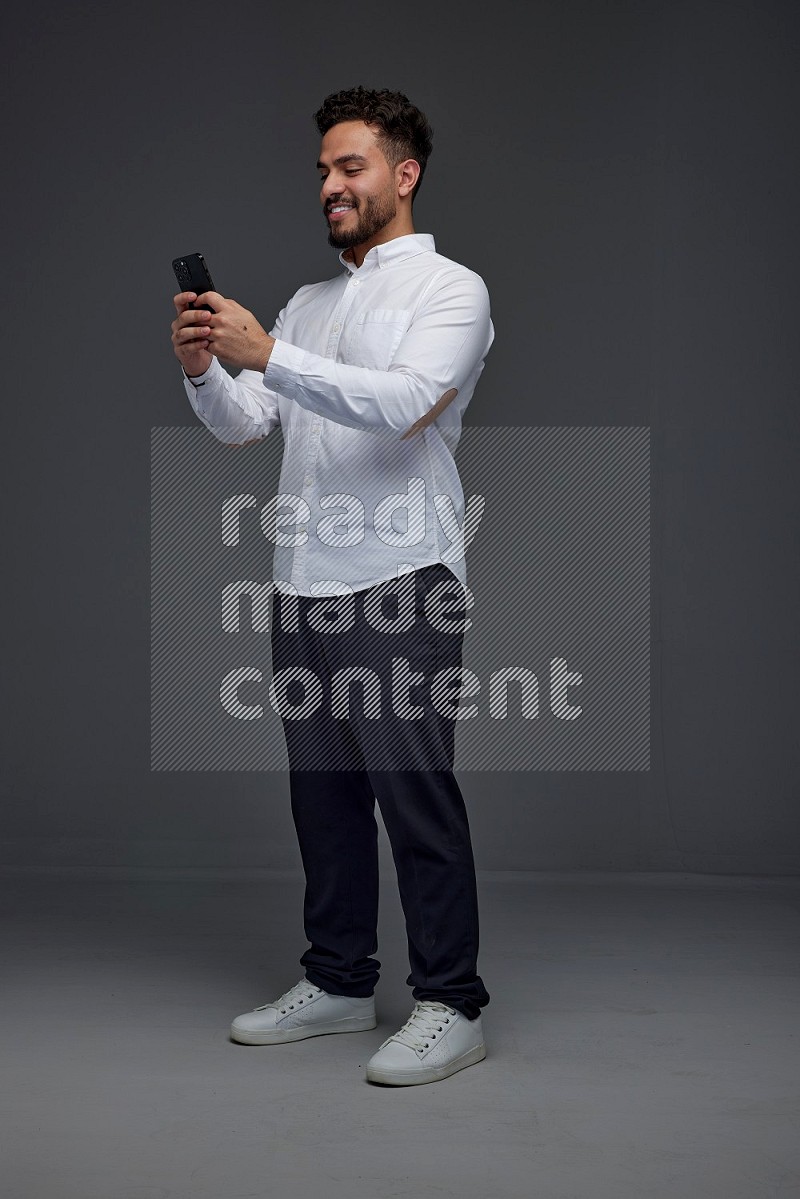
(391, 743)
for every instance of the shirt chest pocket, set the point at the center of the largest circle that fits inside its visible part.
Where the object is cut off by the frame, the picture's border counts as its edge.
(376, 335)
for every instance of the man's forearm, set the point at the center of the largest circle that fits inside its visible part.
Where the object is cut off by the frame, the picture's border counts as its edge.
(356, 396)
(236, 411)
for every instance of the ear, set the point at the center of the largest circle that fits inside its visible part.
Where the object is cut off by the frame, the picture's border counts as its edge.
(406, 176)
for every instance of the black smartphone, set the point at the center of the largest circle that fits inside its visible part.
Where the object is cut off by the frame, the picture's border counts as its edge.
(193, 275)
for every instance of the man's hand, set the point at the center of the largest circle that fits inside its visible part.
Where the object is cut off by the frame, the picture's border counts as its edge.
(190, 335)
(234, 334)
(230, 332)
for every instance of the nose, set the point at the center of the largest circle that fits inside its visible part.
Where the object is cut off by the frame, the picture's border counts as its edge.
(332, 186)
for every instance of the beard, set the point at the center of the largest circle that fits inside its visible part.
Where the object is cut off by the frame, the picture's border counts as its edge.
(374, 216)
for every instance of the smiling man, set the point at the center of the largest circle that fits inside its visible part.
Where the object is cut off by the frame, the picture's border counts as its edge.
(368, 375)
(358, 219)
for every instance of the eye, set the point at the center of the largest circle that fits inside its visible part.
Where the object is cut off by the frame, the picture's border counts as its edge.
(353, 171)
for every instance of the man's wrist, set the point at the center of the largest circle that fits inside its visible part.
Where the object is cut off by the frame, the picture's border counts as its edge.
(192, 378)
(261, 360)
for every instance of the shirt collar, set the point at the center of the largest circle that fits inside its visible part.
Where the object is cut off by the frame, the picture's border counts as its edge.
(398, 248)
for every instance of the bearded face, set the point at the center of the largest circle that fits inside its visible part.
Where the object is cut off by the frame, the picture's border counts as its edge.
(352, 221)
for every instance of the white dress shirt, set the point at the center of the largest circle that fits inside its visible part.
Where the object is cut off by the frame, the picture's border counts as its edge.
(357, 361)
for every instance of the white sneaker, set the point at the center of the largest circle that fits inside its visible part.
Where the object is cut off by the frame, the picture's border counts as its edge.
(435, 1042)
(305, 1010)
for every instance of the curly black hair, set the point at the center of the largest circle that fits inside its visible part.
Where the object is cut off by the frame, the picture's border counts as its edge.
(405, 131)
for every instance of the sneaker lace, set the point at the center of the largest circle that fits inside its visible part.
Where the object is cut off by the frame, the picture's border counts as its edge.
(427, 1020)
(294, 997)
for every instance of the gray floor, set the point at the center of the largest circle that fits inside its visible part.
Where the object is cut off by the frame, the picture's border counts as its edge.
(642, 1041)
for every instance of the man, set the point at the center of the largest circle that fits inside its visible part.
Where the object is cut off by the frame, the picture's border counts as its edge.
(368, 375)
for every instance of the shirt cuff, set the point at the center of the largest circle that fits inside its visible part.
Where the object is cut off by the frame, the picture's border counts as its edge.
(284, 366)
(199, 380)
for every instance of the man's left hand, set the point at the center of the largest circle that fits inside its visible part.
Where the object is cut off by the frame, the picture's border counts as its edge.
(236, 336)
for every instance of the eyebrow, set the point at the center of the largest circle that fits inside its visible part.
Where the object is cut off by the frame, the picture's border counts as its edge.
(342, 159)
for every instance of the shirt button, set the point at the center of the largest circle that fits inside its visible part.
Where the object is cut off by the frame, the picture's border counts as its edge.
(336, 328)
(309, 480)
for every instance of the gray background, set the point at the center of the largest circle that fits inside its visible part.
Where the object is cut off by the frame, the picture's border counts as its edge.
(623, 176)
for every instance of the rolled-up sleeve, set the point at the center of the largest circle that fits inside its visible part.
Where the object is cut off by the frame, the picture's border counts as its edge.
(443, 349)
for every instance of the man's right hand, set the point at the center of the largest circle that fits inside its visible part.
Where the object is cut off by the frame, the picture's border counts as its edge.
(190, 335)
